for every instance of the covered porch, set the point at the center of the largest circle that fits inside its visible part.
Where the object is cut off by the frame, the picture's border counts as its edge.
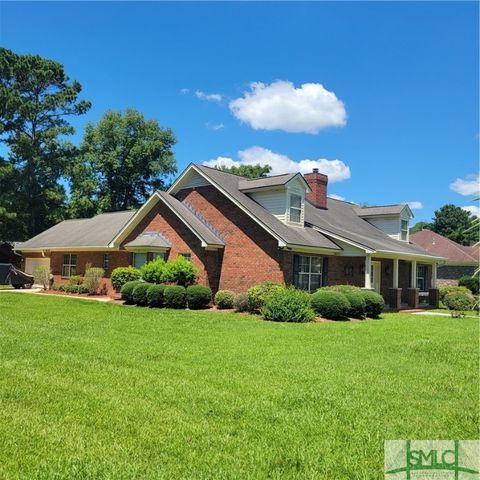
(403, 283)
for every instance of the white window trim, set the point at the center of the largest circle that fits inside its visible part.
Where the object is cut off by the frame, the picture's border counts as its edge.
(310, 273)
(68, 266)
(402, 230)
(290, 207)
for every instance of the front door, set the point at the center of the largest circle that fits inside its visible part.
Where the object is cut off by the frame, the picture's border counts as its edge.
(375, 275)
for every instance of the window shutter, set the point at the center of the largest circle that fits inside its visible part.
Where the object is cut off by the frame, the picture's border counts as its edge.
(325, 272)
(296, 261)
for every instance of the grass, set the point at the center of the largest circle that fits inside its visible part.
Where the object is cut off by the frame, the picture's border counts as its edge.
(99, 391)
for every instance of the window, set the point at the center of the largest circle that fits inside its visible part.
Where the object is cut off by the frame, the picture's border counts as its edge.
(404, 230)
(69, 267)
(422, 277)
(295, 213)
(188, 256)
(307, 272)
(106, 261)
(139, 259)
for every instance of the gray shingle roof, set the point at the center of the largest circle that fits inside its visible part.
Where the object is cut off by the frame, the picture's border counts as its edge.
(276, 180)
(97, 231)
(149, 239)
(340, 218)
(197, 224)
(307, 237)
(379, 210)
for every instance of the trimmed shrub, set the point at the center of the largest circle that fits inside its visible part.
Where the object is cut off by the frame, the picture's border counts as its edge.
(175, 296)
(61, 287)
(198, 296)
(374, 303)
(259, 294)
(444, 291)
(458, 303)
(56, 286)
(92, 279)
(472, 283)
(71, 288)
(82, 288)
(155, 295)
(288, 305)
(121, 275)
(139, 294)
(154, 271)
(181, 271)
(330, 303)
(355, 298)
(240, 304)
(224, 299)
(75, 280)
(127, 290)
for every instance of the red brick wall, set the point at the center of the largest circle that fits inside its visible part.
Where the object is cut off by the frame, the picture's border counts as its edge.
(336, 271)
(250, 255)
(318, 186)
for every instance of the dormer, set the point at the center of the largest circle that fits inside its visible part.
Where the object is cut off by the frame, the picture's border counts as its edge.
(391, 219)
(282, 195)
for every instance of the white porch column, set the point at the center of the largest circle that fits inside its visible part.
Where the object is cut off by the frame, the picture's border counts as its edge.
(368, 271)
(395, 273)
(434, 275)
(413, 275)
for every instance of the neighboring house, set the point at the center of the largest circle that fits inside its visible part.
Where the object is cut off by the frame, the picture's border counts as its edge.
(460, 260)
(240, 232)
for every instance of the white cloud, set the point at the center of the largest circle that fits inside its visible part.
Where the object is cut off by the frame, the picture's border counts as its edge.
(281, 106)
(212, 97)
(473, 209)
(469, 186)
(336, 197)
(184, 91)
(215, 126)
(414, 205)
(335, 169)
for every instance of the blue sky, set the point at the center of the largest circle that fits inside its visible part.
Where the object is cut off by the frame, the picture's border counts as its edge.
(392, 94)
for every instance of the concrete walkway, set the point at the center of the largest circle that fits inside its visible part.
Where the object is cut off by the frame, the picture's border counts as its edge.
(441, 314)
(39, 290)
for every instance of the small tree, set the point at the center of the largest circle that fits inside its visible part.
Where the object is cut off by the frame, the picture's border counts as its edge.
(92, 279)
(181, 271)
(41, 275)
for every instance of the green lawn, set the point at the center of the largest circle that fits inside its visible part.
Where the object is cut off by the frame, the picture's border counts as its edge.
(99, 391)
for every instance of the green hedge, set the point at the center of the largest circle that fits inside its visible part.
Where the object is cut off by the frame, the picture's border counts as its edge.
(198, 296)
(240, 304)
(139, 294)
(127, 290)
(121, 275)
(288, 305)
(374, 303)
(259, 294)
(355, 298)
(155, 296)
(459, 302)
(175, 296)
(224, 299)
(330, 304)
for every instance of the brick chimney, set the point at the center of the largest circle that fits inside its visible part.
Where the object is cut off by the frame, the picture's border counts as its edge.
(318, 185)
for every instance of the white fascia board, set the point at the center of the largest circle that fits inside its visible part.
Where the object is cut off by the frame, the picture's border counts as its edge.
(303, 249)
(409, 256)
(343, 239)
(281, 242)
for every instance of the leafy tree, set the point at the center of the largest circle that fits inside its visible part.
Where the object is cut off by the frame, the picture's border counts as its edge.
(36, 97)
(249, 171)
(419, 226)
(455, 223)
(122, 160)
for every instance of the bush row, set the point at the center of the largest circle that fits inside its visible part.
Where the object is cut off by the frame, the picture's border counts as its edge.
(180, 271)
(70, 288)
(276, 302)
(141, 293)
(90, 283)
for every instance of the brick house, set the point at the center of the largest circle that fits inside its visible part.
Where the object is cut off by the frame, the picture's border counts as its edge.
(240, 232)
(459, 260)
